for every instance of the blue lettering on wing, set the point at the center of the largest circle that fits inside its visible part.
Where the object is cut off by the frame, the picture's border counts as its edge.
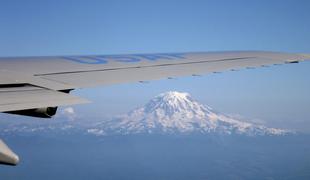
(151, 57)
(86, 60)
(124, 58)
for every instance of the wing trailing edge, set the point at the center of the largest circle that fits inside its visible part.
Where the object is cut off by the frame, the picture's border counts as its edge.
(23, 97)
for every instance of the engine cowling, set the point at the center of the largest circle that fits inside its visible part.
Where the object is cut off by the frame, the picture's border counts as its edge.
(46, 112)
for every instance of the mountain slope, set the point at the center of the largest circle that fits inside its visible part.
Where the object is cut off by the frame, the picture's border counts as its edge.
(175, 112)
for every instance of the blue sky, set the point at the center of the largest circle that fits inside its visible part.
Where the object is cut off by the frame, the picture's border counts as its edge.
(279, 96)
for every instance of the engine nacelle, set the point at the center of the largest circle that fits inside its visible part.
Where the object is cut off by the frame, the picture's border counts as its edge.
(46, 112)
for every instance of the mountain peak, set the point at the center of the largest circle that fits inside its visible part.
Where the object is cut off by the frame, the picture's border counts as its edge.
(178, 112)
(173, 95)
(173, 103)
(173, 98)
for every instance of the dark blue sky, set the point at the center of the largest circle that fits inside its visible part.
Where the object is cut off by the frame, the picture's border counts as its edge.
(277, 95)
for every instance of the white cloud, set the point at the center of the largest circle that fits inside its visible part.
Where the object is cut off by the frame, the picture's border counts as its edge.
(97, 132)
(69, 113)
(245, 119)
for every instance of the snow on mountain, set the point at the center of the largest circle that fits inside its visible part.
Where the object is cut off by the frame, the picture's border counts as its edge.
(175, 112)
(168, 113)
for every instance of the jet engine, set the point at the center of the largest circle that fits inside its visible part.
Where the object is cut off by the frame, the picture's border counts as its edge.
(46, 112)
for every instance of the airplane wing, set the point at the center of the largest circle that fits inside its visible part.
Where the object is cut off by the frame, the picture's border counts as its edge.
(30, 83)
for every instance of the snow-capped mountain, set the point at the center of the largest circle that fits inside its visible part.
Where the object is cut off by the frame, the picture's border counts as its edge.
(174, 112)
(168, 113)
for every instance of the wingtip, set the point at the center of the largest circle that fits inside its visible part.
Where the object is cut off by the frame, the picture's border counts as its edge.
(305, 56)
(7, 156)
(12, 161)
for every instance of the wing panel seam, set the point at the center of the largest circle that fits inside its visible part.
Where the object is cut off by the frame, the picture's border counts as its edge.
(136, 67)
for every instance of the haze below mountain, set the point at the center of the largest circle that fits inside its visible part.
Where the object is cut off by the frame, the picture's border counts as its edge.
(171, 112)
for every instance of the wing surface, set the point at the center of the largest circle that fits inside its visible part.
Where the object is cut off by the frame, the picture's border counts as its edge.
(46, 76)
